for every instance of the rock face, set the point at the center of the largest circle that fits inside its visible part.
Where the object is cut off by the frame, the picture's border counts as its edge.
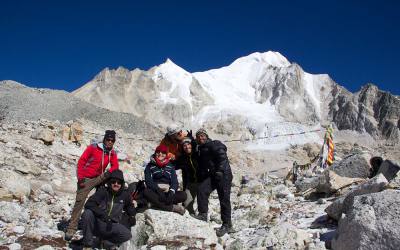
(353, 166)
(343, 204)
(20, 103)
(372, 222)
(369, 110)
(168, 92)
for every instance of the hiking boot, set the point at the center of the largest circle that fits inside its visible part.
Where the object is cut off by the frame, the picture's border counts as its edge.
(108, 245)
(178, 209)
(225, 228)
(201, 216)
(69, 234)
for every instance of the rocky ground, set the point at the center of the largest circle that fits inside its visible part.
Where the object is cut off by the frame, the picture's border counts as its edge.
(329, 209)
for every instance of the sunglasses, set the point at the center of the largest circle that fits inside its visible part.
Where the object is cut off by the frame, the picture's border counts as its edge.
(160, 152)
(111, 140)
(116, 182)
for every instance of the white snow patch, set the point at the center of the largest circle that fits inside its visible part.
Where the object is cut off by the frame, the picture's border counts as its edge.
(310, 88)
(180, 82)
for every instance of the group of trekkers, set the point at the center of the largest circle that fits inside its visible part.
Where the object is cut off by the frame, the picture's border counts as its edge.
(110, 212)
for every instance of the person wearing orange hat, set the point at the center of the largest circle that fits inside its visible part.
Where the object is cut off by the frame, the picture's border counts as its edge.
(172, 140)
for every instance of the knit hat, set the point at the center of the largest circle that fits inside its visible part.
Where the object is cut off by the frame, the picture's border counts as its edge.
(117, 174)
(186, 140)
(201, 131)
(109, 134)
(173, 129)
(162, 148)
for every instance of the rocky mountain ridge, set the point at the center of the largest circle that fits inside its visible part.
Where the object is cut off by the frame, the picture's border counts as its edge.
(256, 90)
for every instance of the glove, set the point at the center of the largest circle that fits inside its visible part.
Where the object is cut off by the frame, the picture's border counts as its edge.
(106, 174)
(170, 197)
(219, 176)
(109, 224)
(81, 183)
(190, 134)
(132, 221)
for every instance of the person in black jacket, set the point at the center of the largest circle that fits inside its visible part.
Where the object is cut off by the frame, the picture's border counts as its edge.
(188, 163)
(213, 162)
(162, 183)
(104, 212)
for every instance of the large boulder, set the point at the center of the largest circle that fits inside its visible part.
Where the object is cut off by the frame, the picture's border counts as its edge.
(330, 182)
(353, 166)
(23, 165)
(286, 236)
(304, 183)
(14, 183)
(389, 169)
(341, 205)
(173, 230)
(43, 134)
(73, 131)
(372, 222)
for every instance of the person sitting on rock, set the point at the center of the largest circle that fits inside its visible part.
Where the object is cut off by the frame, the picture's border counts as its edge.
(94, 166)
(104, 212)
(172, 140)
(214, 162)
(162, 183)
(188, 163)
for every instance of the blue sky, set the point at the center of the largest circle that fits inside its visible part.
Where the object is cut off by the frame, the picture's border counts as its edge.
(64, 44)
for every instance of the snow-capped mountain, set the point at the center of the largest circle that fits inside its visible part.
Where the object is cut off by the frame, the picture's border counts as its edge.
(260, 94)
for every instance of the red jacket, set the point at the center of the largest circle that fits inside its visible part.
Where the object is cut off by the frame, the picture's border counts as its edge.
(94, 161)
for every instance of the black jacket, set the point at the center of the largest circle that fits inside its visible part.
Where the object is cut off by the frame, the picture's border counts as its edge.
(104, 203)
(213, 158)
(189, 164)
(154, 174)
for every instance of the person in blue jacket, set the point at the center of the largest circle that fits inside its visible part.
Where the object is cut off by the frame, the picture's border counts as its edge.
(162, 183)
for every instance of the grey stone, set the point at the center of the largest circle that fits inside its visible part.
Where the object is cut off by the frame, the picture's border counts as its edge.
(14, 246)
(45, 247)
(339, 206)
(304, 183)
(330, 182)
(286, 236)
(395, 182)
(353, 166)
(14, 183)
(371, 222)
(281, 191)
(19, 229)
(335, 209)
(44, 134)
(10, 212)
(171, 229)
(389, 169)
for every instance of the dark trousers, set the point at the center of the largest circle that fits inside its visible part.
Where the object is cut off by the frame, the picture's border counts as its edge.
(223, 187)
(154, 199)
(96, 227)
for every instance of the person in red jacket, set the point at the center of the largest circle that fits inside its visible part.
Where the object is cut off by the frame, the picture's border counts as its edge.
(94, 166)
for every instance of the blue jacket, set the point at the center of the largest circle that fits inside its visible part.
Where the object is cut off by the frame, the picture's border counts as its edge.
(154, 174)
